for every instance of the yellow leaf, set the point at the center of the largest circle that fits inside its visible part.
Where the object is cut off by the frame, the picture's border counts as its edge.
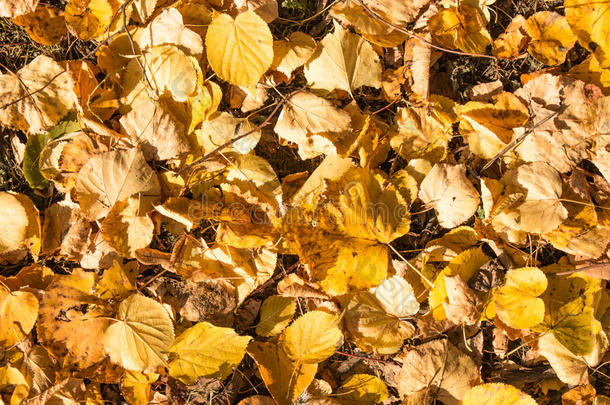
(425, 131)
(570, 302)
(46, 25)
(204, 103)
(144, 9)
(462, 28)
(343, 61)
(21, 224)
(170, 71)
(312, 338)
(497, 394)
(115, 176)
(447, 188)
(517, 302)
(372, 328)
(157, 128)
(396, 296)
(136, 387)
(275, 314)
(438, 369)
(39, 111)
(487, 127)
(141, 336)
(205, 350)
(68, 332)
(127, 230)
(465, 265)
(257, 400)
(551, 37)
(118, 280)
(540, 211)
(511, 43)
(168, 29)
(351, 13)
(18, 313)
(313, 123)
(590, 23)
(285, 379)
(239, 50)
(293, 53)
(89, 19)
(361, 389)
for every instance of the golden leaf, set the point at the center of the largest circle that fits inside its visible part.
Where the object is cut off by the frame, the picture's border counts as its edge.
(45, 25)
(141, 336)
(517, 303)
(115, 176)
(205, 350)
(89, 19)
(460, 28)
(361, 389)
(312, 338)
(239, 50)
(551, 37)
(21, 224)
(343, 61)
(291, 54)
(497, 394)
(275, 314)
(18, 313)
(590, 23)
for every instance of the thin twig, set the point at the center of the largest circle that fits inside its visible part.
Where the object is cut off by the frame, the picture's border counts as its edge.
(33, 92)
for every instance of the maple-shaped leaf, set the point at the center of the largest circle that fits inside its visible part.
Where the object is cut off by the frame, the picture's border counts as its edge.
(205, 350)
(343, 61)
(239, 50)
(141, 335)
(497, 394)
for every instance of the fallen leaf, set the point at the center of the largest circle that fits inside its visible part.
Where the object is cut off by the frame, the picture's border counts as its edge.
(45, 25)
(19, 310)
(89, 19)
(115, 176)
(513, 41)
(517, 303)
(589, 23)
(460, 28)
(239, 50)
(141, 335)
(205, 350)
(361, 389)
(21, 223)
(452, 195)
(343, 61)
(275, 314)
(497, 394)
(551, 37)
(15, 8)
(312, 338)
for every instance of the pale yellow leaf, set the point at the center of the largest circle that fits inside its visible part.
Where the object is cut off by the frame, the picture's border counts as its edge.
(141, 336)
(205, 350)
(275, 314)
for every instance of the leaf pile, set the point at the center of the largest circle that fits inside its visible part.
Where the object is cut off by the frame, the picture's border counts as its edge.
(226, 205)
